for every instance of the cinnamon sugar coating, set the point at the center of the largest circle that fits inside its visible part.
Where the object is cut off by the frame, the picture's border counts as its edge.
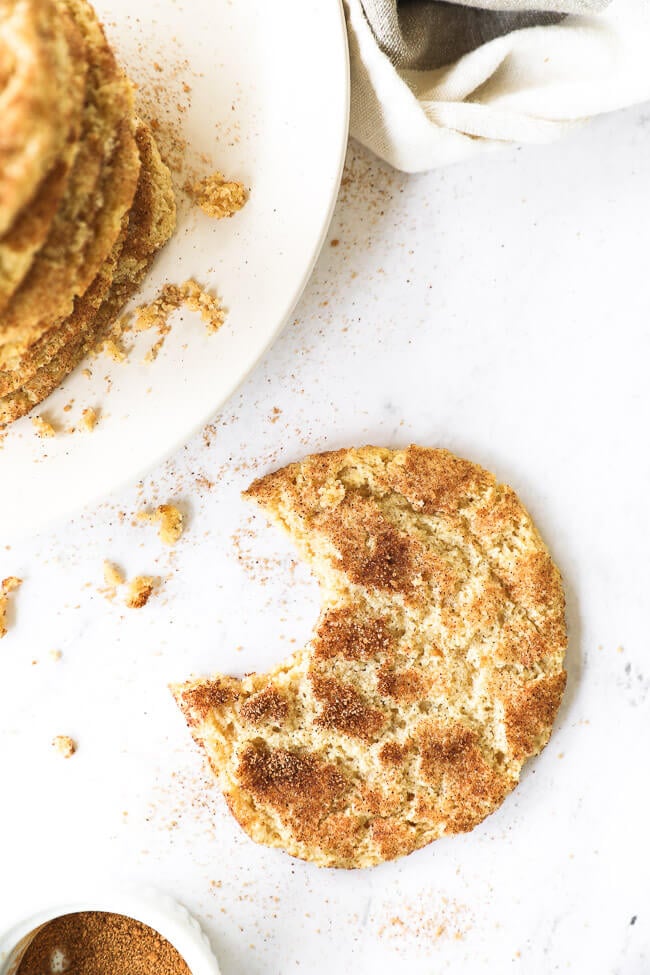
(434, 672)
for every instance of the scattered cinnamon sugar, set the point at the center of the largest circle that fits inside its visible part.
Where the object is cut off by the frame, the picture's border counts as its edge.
(162, 102)
(99, 943)
(426, 923)
(170, 521)
(9, 585)
(66, 748)
(140, 589)
(217, 196)
(89, 418)
(43, 427)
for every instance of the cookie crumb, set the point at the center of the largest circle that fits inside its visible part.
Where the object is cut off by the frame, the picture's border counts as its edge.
(64, 745)
(89, 418)
(208, 306)
(140, 589)
(112, 349)
(170, 522)
(171, 298)
(112, 575)
(43, 427)
(217, 196)
(55, 655)
(152, 354)
(9, 584)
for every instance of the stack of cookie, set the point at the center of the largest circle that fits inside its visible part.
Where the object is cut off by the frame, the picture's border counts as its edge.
(85, 199)
(434, 672)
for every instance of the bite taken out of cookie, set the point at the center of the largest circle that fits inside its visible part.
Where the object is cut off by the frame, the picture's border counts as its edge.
(434, 672)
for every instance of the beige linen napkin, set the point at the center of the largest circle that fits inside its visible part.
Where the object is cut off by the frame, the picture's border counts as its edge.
(436, 82)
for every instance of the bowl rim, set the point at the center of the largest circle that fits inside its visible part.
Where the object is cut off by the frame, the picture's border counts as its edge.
(158, 911)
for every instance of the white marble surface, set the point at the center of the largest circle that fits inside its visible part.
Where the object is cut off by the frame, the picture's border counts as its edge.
(500, 309)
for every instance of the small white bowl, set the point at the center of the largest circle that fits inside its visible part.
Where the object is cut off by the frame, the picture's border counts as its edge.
(156, 910)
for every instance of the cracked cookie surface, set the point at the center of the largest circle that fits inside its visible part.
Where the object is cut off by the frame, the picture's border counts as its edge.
(434, 672)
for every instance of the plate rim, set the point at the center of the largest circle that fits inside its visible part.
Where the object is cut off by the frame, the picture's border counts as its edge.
(139, 471)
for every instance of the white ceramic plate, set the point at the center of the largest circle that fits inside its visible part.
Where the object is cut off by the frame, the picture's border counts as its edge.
(264, 95)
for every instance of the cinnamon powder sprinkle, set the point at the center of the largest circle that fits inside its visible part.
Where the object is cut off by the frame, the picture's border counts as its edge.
(217, 196)
(99, 943)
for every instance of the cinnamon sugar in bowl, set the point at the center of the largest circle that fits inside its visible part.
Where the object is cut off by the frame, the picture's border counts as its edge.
(135, 934)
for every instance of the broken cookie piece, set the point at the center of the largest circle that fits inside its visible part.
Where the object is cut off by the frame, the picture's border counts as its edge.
(9, 585)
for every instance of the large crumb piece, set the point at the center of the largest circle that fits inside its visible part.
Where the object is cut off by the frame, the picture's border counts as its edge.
(217, 196)
(43, 427)
(89, 418)
(64, 745)
(8, 586)
(170, 521)
(140, 590)
(112, 575)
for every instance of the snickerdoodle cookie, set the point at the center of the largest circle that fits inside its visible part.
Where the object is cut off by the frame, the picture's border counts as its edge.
(434, 672)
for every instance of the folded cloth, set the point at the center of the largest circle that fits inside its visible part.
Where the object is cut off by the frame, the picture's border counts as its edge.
(436, 82)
